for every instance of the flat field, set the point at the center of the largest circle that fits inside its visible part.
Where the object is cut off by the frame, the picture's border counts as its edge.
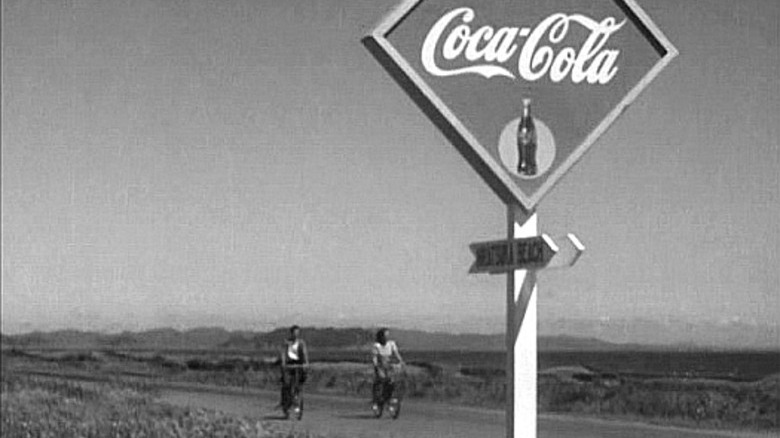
(724, 365)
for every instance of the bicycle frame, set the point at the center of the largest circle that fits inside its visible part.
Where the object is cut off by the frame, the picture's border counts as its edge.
(388, 390)
(291, 389)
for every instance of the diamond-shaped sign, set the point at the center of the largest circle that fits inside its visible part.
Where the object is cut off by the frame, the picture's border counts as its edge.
(471, 64)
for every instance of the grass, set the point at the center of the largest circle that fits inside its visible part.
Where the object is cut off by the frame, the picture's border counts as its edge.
(681, 401)
(693, 402)
(703, 403)
(51, 407)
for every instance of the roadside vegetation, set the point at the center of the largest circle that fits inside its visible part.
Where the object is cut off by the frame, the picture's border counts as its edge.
(700, 403)
(684, 401)
(55, 407)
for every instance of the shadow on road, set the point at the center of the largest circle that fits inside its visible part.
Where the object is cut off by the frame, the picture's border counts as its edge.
(274, 417)
(366, 416)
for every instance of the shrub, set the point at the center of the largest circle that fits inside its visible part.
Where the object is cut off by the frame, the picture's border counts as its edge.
(45, 407)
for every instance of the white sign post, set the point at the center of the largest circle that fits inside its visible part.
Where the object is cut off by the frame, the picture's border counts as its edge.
(521, 335)
(476, 68)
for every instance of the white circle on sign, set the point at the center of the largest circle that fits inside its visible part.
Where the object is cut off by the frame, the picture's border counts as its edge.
(545, 148)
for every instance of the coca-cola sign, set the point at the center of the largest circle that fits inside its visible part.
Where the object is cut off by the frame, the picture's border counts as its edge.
(470, 65)
(490, 51)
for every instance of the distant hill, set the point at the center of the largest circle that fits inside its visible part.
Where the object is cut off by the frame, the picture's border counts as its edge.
(555, 335)
(678, 334)
(318, 338)
(164, 338)
(419, 340)
(323, 337)
(70, 338)
(438, 341)
(338, 338)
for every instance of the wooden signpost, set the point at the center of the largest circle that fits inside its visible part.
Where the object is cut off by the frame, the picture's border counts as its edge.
(522, 89)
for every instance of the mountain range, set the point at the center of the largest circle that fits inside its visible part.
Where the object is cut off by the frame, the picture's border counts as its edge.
(211, 338)
(671, 332)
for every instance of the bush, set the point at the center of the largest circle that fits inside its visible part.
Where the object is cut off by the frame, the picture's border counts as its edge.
(44, 407)
(711, 403)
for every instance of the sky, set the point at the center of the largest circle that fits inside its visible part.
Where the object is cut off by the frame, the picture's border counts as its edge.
(248, 164)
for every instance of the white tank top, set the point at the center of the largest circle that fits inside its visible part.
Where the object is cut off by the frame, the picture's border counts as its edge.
(292, 350)
(385, 352)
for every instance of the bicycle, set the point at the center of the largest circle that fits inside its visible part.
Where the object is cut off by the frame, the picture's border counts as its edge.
(292, 390)
(388, 391)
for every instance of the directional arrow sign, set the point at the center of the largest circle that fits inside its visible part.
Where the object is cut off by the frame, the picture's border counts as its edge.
(538, 252)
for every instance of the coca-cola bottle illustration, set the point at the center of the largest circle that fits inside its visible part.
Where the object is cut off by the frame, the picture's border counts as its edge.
(526, 142)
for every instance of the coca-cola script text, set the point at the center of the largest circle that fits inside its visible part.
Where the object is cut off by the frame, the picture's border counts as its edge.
(488, 51)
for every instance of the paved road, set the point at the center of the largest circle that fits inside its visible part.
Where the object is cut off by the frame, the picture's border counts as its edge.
(351, 418)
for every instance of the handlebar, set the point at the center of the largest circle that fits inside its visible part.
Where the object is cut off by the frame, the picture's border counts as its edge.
(393, 368)
(392, 365)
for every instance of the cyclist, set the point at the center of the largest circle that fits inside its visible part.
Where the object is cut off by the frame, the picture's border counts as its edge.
(383, 352)
(294, 356)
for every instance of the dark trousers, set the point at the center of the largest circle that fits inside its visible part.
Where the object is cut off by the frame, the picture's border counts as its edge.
(385, 385)
(382, 389)
(292, 379)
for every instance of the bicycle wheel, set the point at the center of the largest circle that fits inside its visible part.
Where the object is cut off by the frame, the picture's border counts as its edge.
(377, 409)
(298, 406)
(394, 407)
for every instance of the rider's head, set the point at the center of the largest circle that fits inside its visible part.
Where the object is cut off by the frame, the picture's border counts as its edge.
(382, 334)
(295, 332)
